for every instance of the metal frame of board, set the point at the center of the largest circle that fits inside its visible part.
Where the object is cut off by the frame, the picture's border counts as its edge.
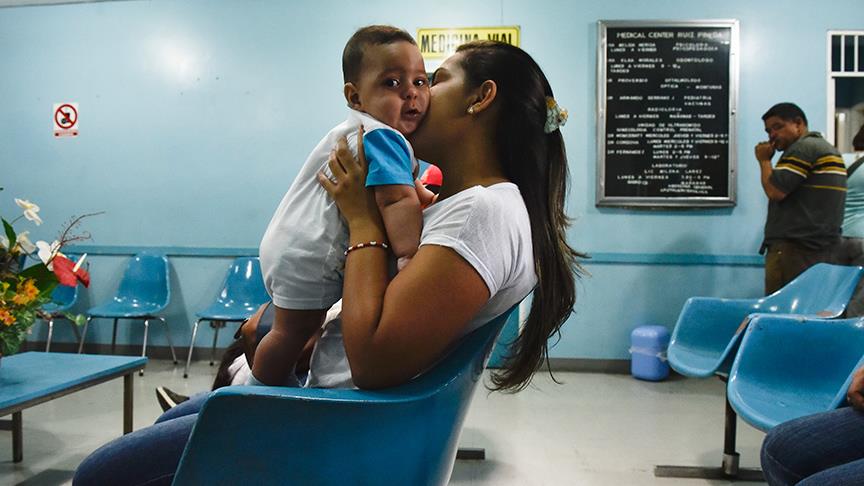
(679, 202)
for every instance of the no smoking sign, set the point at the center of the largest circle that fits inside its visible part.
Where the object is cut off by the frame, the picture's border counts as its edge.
(65, 119)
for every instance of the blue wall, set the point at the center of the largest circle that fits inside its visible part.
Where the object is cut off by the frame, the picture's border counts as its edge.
(195, 116)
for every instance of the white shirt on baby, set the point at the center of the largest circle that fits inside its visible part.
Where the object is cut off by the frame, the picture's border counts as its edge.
(302, 251)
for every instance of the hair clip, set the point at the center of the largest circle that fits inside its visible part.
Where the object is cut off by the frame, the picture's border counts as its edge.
(556, 116)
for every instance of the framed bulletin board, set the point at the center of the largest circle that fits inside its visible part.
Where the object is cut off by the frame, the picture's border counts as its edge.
(667, 95)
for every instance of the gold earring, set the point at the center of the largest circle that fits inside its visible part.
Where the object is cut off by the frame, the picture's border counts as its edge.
(471, 110)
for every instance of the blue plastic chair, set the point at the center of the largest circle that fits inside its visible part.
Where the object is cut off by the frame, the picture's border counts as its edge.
(707, 334)
(789, 367)
(144, 292)
(242, 292)
(63, 299)
(401, 435)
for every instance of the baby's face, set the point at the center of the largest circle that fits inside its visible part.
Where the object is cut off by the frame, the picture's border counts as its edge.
(393, 87)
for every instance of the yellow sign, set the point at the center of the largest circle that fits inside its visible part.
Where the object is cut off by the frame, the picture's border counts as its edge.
(440, 43)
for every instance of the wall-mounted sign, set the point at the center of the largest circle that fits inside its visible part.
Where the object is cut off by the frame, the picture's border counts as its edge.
(438, 44)
(667, 94)
(65, 119)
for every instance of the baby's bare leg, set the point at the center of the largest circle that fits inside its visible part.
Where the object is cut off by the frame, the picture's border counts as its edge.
(278, 352)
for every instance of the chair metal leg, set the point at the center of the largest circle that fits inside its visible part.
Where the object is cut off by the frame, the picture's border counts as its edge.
(114, 337)
(215, 338)
(728, 470)
(50, 333)
(83, 334)
(168, 336)
(191, 347)
(144, 347)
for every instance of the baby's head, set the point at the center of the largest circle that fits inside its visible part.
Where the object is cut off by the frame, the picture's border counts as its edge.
(385, 76)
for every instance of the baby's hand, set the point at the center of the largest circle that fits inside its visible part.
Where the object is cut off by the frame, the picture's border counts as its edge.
(425, 196)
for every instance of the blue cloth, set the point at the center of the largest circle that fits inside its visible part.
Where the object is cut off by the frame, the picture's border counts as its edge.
(148, 456)
(388, 158)
(826, 449)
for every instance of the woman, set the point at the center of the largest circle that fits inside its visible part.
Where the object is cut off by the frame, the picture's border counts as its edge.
(823, 449)
(483, 249)
(851, 249)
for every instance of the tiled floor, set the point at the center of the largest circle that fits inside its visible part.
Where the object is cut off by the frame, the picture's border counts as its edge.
(593, 429)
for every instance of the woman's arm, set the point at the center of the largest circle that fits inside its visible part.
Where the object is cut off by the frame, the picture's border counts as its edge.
(393, 335)
(395, 330)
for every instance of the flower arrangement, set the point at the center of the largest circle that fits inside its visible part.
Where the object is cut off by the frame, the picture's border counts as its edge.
(23, 291)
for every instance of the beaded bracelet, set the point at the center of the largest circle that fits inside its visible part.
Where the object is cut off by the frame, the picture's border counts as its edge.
(368, 244)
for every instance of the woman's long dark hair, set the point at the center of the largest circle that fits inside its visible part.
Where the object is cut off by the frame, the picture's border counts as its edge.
(536, 162)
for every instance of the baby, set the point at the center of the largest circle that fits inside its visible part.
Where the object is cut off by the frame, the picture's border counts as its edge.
(304, 247)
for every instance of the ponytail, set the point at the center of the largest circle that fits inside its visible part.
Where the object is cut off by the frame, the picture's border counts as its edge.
(537, 163)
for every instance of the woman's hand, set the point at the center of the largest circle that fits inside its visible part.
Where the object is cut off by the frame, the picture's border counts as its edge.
(348, 185)
(855, 395)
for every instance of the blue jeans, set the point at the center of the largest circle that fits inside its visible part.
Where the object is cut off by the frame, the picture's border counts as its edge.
(826, 449)
(149, 456)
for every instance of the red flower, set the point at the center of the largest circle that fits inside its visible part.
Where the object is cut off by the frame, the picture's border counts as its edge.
(63, 269)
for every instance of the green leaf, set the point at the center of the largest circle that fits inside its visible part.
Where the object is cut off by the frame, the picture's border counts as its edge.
(10, 341)
(45, 278)
(10, 233)
(46, 289)
(77, 319)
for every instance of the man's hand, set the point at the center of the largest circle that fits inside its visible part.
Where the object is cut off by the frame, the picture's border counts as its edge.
(855, 394)
(764, 151)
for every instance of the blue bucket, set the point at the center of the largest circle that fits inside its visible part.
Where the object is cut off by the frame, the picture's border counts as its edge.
(648, 353)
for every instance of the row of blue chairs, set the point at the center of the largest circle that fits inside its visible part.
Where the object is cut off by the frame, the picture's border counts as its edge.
(145, 291)
(783, 356)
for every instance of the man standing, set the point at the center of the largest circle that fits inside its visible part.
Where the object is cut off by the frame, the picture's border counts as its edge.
(806, 192)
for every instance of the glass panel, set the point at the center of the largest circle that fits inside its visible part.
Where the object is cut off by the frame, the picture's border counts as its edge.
(849, 54)
(835, 53)
(861, 53)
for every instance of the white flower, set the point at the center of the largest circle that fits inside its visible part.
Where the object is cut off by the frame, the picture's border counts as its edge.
(4, 242)
(24, 242)
(48, 252)
(31, 211)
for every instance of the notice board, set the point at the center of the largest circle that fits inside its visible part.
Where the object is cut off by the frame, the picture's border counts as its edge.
(667, 98)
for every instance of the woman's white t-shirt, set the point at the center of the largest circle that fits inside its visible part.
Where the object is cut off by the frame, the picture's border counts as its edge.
(490, 229)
